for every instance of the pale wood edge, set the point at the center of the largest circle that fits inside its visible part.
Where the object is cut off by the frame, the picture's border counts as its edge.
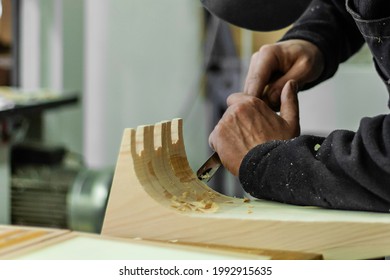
(239, 253)
(51, 236)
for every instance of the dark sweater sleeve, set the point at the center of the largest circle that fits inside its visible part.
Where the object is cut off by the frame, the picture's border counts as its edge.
(345, 170)
(328, 25)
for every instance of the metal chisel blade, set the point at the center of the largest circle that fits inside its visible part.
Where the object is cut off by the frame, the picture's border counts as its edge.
(208, 169)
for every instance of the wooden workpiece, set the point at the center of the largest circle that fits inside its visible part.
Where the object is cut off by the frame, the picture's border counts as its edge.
(32, 243)
(16, 238)
(156, 196)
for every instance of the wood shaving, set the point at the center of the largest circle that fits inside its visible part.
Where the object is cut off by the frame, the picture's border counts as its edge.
(250, 209)
(204, 203)
(205, 176)
(184, 195)
(173, 241)
(246, 200)
(167, 194)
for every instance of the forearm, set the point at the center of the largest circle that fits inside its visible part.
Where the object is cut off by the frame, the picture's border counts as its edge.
(346, 170)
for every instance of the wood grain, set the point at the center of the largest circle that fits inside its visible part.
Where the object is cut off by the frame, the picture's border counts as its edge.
(155, 195)
(16, 238)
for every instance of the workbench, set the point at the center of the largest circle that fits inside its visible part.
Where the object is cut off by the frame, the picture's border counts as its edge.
(24, 104)
(33, 243)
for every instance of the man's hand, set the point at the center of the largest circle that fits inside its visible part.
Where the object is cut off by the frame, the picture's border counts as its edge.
(273, 65)
(248, 122)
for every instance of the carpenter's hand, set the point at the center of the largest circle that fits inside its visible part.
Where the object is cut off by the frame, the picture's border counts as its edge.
(273, 65)
(248, 122)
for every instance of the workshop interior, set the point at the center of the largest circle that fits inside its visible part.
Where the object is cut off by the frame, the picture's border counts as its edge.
(74, 74)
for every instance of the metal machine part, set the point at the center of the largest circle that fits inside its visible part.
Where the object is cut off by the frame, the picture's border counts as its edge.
(209, 168)
(38, 196)
(60, 197)
(87, 200)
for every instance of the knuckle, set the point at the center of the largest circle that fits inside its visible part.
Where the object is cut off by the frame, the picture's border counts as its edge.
(264, 50)
(231, 98)
(211, 142)
(243, 107)
(254, 56)
(306, 61)
(267, 49)
(218, 130)
(252, 101)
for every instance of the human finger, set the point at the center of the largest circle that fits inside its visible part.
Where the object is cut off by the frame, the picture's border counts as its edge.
(237, 98)
(261, 68)
(289, 108)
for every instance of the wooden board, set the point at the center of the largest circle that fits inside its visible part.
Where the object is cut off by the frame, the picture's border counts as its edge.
(155, 195)
(51, 244)
(76, 246)
(16, 238)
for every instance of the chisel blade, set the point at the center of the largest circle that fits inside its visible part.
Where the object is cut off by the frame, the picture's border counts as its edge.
(208, 169)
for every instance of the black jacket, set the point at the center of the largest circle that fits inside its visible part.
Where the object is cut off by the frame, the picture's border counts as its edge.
(346, 170)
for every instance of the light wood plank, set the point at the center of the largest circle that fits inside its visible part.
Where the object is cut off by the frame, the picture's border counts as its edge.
(16, 238)
(155, 195)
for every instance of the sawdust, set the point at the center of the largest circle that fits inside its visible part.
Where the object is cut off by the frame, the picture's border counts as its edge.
(173, 241)
(191, 201)
(250, 209)
(203, 202)
(167, 194)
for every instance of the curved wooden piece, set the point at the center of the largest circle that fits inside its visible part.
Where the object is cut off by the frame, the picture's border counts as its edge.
(155, 195)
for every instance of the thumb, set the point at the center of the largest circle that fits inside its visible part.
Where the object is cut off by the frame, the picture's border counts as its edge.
(289, 107)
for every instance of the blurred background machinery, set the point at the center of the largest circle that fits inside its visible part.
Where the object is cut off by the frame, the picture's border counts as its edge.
(51, 188)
